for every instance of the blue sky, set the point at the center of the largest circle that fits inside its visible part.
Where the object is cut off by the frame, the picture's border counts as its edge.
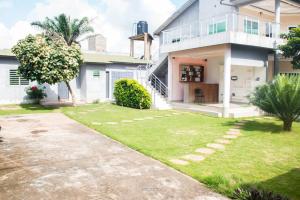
(15, 10)
(112, 18)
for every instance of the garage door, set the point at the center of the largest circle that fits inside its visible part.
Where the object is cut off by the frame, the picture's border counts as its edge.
(117, 75)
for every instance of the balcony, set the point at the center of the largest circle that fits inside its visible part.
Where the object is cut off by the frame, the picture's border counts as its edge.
(227, 28)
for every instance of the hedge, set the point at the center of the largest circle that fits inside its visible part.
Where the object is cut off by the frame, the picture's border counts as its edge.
(129, 93)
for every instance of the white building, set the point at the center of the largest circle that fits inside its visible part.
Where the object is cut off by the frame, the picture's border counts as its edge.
(95, 81)
(213, 53)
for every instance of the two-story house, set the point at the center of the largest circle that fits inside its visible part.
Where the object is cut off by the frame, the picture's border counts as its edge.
(215, 52)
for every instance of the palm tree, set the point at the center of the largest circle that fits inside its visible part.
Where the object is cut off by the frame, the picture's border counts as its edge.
(69, 29)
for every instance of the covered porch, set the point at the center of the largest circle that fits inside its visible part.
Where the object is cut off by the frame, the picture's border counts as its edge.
(216, 80)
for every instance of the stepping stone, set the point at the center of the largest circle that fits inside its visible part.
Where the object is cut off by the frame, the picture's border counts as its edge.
(83, 113)
(221, 141)
(179, 162)
(139, 119)
(97, 123)
(230, 136)
(176, 113)
(168, 115)
(193, 157)
(234, 130)
(240, 123)
(233, 133)
(216, 146)
(127, 121)
(111, 123)
(148, 118)
(269, 118)
(206, 151)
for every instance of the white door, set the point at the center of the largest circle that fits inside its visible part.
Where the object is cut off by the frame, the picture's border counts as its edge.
(117, 75)
(63, 92)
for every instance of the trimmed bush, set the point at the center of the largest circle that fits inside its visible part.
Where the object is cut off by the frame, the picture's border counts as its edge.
(130, 93)
(255, 194)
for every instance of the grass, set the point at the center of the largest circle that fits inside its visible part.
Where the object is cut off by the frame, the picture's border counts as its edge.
(263, 156)
(24, 109)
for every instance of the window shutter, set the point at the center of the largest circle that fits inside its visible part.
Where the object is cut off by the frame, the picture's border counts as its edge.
(13, 77)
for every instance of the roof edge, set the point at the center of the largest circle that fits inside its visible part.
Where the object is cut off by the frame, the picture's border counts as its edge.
(174, 16)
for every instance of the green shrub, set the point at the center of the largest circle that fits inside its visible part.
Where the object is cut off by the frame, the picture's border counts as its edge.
(280, 98)
(255, 194)
(130, 93)
(36, 92)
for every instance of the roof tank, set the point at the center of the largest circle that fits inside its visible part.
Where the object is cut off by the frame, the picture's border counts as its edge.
(142, 27)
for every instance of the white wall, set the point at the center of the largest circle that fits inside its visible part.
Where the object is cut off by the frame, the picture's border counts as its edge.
(10, 93)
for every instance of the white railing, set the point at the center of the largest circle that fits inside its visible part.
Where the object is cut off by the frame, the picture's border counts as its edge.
(232, 22)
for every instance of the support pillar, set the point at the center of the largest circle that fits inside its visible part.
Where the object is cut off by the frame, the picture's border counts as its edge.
(132, 48)
(277, 37)
(170, 78)
(227, 80)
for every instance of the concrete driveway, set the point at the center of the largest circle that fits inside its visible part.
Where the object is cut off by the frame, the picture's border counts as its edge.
(49, 156)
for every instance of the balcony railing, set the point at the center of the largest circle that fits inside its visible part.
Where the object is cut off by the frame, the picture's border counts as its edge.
(232, 22)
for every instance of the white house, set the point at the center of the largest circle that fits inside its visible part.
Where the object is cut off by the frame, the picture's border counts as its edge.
(95, 81)
(213, 53)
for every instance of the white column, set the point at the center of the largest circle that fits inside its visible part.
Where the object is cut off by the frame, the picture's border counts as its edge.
(227, 80)
(277, 18)
(170, 78)
(277, 35)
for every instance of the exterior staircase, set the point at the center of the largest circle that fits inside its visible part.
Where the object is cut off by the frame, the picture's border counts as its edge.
(157, 89)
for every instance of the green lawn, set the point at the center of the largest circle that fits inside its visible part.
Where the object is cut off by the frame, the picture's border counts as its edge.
(24, 109)
(263, 156)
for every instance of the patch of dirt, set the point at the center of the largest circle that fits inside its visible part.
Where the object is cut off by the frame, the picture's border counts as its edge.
(39, 131)
(23, 120)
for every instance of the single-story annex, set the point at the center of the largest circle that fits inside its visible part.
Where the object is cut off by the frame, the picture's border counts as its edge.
(94, 83)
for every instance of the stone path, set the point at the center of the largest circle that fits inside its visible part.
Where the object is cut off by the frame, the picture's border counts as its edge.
(211, 148)
(49, 156)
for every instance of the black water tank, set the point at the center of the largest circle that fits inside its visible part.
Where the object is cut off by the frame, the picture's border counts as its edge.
(142, 27)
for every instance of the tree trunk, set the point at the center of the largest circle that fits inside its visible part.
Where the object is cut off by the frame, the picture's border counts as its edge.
(72, 93)
(287, 125)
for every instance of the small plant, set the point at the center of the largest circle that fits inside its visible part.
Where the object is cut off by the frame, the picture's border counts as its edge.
(130, 93)
(255, 194)
(36, 92)
(280, 98)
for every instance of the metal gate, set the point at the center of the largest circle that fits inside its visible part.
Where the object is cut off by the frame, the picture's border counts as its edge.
(117, 75)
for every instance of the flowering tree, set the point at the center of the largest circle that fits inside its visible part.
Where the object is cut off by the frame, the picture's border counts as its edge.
(292, 48)
(48, 60)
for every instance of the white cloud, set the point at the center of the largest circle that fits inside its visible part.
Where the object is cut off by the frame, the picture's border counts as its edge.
(114, 18)
(10, 36)
(6, 3)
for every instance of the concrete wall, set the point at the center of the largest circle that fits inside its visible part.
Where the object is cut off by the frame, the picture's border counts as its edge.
(86, 87)
(15, 94)
(189, 16)
(175, 86)
(286, 20)
(210, 8)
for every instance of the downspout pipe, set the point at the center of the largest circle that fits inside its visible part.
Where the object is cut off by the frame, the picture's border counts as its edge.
(223, 2)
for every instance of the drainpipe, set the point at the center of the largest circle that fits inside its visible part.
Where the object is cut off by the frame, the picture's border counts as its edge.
(277, 36)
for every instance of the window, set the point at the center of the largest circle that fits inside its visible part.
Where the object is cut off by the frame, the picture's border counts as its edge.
(16, 79)
(251, 26)
(290, 74)
(291, 27)
(96, 73)
(218, 27)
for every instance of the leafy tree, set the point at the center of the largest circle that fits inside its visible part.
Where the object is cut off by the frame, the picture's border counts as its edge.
(281, 97)
(69, 29)
(48, 60)
(292, 48)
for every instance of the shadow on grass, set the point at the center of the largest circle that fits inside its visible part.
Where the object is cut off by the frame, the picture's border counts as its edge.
(262, 126)
(286, 184)
(37, 107)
